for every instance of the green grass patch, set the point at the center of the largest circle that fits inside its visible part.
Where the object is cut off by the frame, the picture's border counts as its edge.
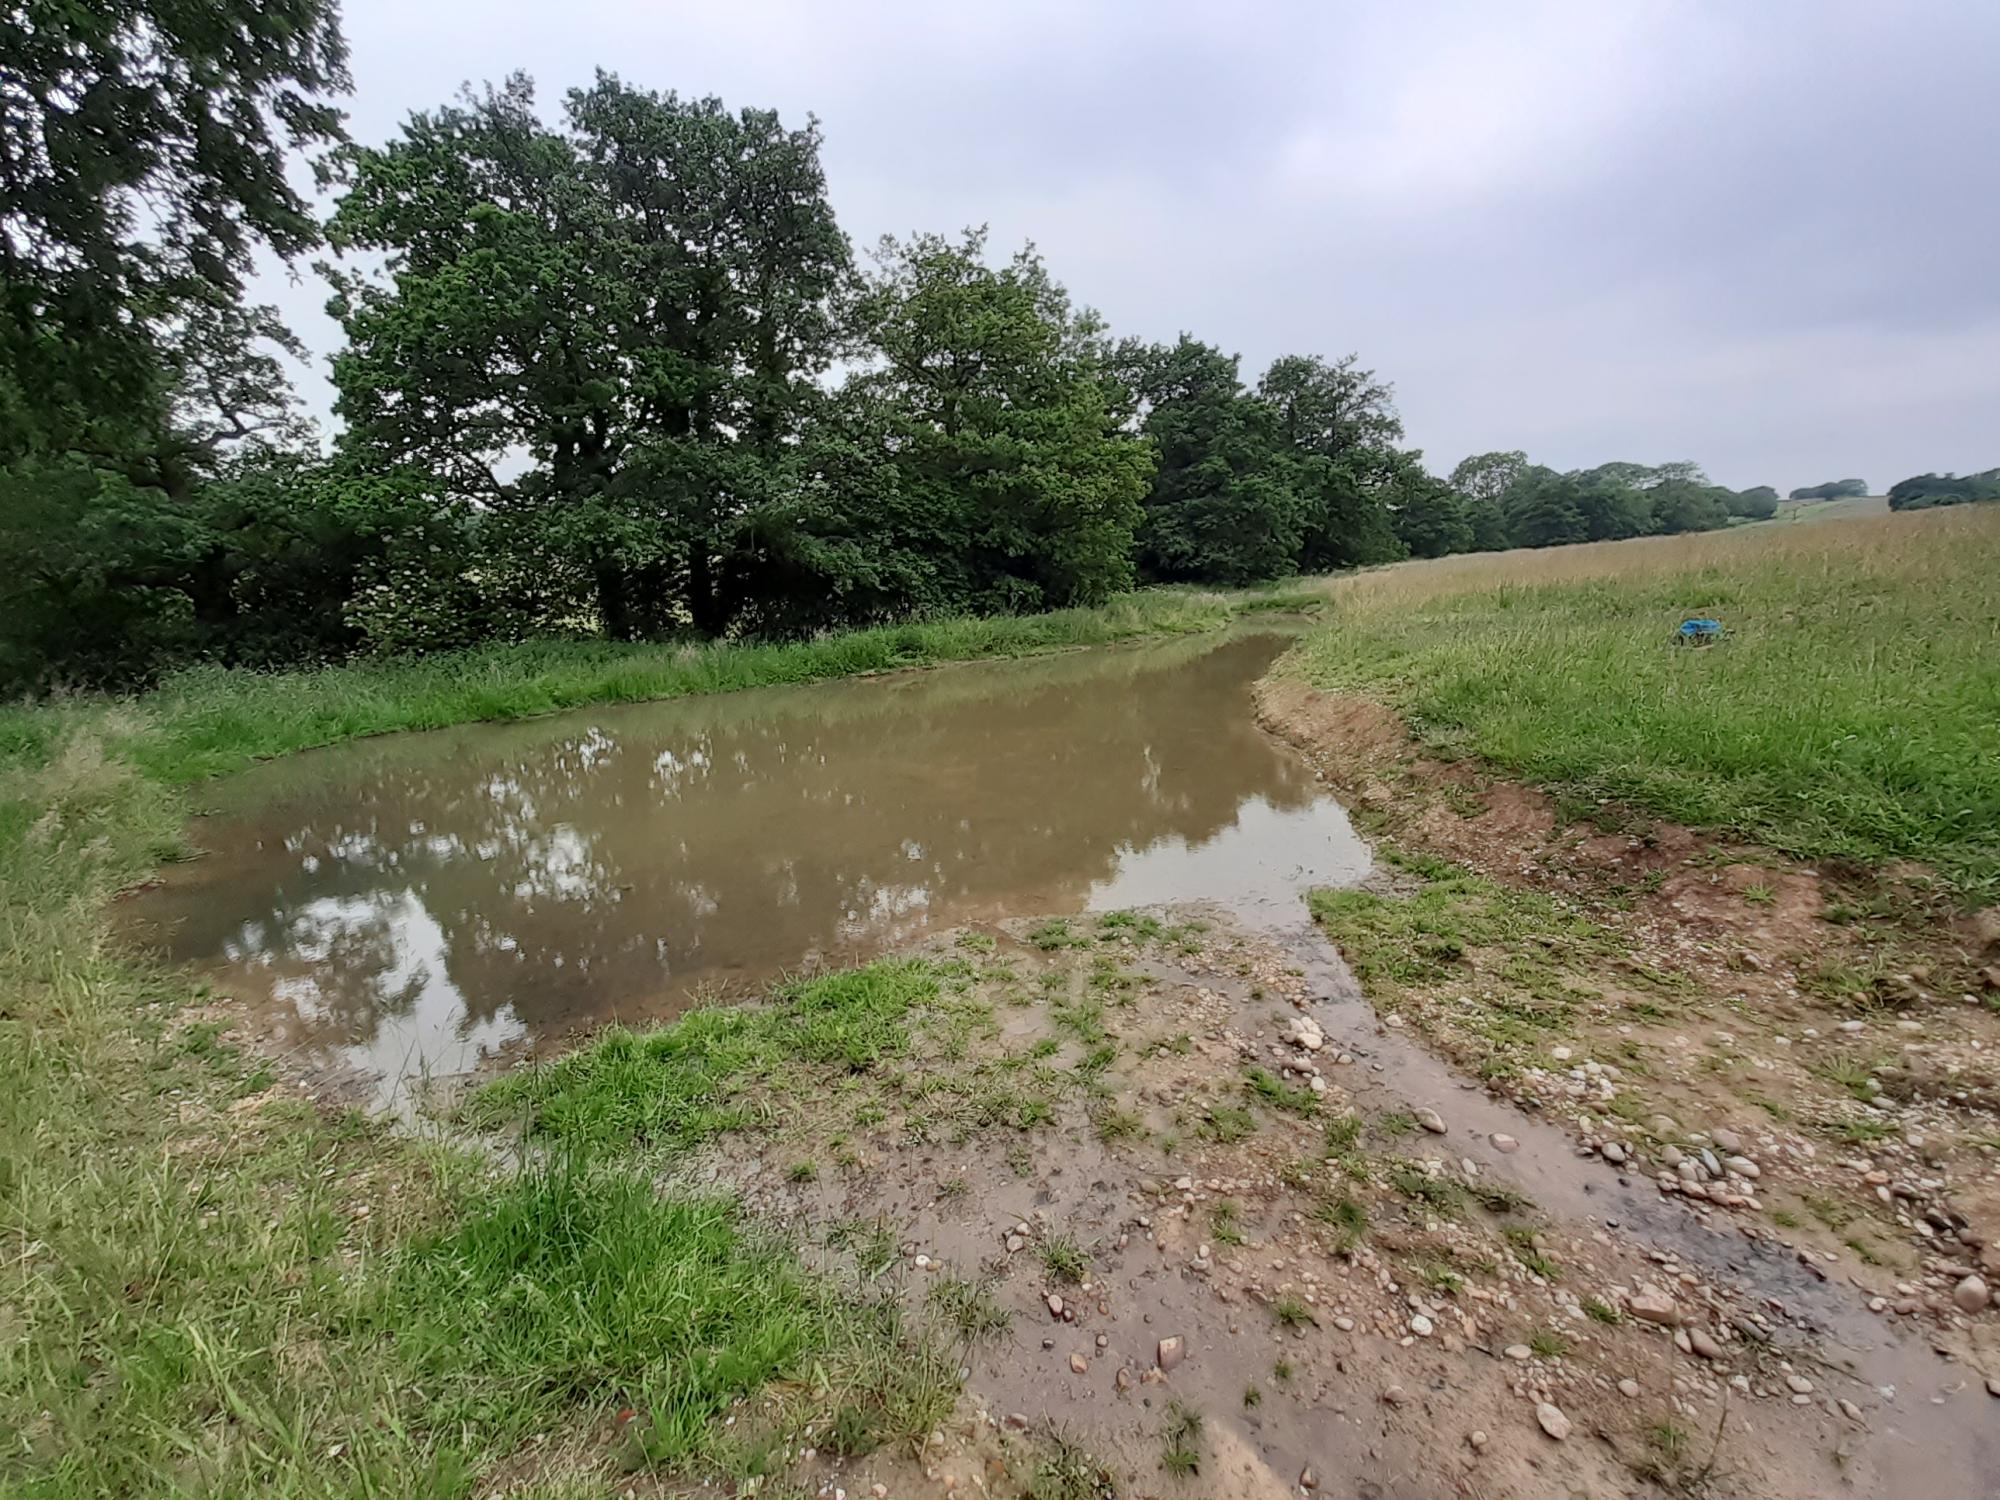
(712, 1070)
(1849, 715)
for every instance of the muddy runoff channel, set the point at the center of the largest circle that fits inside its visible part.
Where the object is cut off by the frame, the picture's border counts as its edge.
(438, 905)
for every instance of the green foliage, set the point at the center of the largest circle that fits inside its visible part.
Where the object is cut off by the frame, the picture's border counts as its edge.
(1224, 505)
(145, 161)
(987, 418)
(1757, 504)
(1927, 490)
(1835, 489)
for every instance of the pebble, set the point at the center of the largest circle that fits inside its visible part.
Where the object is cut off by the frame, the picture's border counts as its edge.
(1614, 1153)
(1344, 1324)
(1561, 1054)
(1742, 1166)
(1518, 1351)
(1171, 1352)
(1055, 1305)
(1308, 1480)
(1393, 1396)
(1506, 1145)
(1702, 1344)
(1079, 1365)
(1971, 1295)
(1850, 1027)
(1432, 1121)
(1477, 1437)
(1421, 1326)
(1629, 1388)
(1799, 1384)
(1015, 1244)
(1727, 1140)
(1554, 1423)
(1853, 1413)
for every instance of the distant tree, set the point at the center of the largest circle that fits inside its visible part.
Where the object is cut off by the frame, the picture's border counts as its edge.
(1482, 481)
(1836, 489)
(993, 410)
(1756, 504)
(144, 149)
(1430, 516)
(1223, 506)
(637, 305)
(1927, 490)
(1341, 424)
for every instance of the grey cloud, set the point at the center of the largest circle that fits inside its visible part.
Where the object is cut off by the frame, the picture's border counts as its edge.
(1759, 236)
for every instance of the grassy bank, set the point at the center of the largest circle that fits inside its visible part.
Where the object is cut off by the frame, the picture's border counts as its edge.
(207, 723)
(1853, 713)
(209, 1286)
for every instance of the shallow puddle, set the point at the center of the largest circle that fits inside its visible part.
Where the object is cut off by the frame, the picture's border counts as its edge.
(411, 906)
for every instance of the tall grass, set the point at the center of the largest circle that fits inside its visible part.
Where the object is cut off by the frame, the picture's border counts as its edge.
(1853, 713)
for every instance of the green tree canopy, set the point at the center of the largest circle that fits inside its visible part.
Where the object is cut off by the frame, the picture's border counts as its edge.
(1224, 506)
(611, 327)
(991, 405)
(143, 156)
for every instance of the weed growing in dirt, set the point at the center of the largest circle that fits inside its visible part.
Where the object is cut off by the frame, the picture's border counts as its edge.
(1548, 1344)
(1521, 1240)
(1443, 1196)
(1228, 1123)
(1347, 1217)
(1064, 1259)
(1602, 1312)
(968, 1306)
(1291, 1312)
(1274, 1091)
(1181, 1441)
(1222, 1222)
(1066, 1471)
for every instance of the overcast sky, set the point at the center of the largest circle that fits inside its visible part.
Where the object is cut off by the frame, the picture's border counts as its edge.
(1760, 234)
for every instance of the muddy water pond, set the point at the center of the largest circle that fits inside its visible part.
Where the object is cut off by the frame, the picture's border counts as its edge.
(414, 906)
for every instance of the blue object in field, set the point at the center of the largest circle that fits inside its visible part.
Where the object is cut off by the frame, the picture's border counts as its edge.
(1699, 632)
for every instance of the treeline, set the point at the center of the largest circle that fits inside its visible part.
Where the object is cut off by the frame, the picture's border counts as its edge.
(1927, 490)
(619, 375)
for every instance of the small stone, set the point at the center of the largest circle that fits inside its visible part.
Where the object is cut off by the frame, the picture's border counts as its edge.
(1700, 1342)
(1055, 1305)
(1308, 1480)
(1015, 1244)
(1853, 1413)
(1971, 1295)
(1104, 1341)
(1726, 1140)
(1393, 1396)
(1344, 1323)
(1554, 1423)
(1518, 1351)
(1629, 1388)
(1561, 1054)
(1651, 1305)
(1993, 1385)
(1614, 1153)
(1799, 1384)
(1850, 1027)
(1506, 1145)
(1477, 1437)
(1742, 1166)
(1432, 1121)
(1171, 1352)
(1078, 1365)
(1421, 1326)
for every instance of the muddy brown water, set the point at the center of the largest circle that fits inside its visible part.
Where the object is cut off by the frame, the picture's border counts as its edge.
(416, 906)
